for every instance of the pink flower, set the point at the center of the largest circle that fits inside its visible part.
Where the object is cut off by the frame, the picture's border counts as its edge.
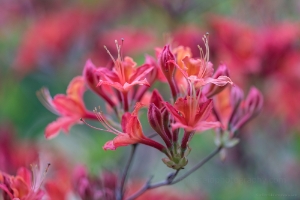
(124, 74)
(69, 107)
(21, 186)
(191, 113)
(131, 133)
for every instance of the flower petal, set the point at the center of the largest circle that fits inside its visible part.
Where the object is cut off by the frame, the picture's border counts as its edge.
(76, 89)
(141, 72)
(25, 174)
(120, 140)
(62, 123)
(201, 126)
(175, 113)
(67, 106)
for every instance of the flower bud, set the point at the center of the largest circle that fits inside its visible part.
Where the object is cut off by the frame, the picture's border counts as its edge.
(157, 99)
(253, 102)
(166, 61)
(167, 67)
(236, 96)
(155, 120)
(248, 109)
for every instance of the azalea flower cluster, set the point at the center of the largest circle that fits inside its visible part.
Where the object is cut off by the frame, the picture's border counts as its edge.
(273, 62)
(125, 88)
(200, 99)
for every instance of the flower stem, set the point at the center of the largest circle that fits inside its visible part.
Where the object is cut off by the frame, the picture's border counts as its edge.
(170, 180)
(125, 173)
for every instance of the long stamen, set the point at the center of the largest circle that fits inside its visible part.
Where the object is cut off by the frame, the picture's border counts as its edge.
(121, 69)
(93, 127)
(38, 179)
(44, 175)
(121, 48)
(105, 123)
(204, 57)
(110, 54)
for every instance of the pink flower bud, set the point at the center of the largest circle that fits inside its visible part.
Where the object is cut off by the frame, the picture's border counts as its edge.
(157, 99)
(236, 96)
(156, 122)
(167, 67)
(167, 64)
(253, 102)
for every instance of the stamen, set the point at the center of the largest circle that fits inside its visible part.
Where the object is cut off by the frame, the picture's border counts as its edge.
(119, 67)
(38, 178)
(204, 57)
(121, 48)
(93, 127)
(110, 55)
(102, 120)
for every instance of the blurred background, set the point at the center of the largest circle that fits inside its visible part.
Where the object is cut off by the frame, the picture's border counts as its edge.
(46, 43)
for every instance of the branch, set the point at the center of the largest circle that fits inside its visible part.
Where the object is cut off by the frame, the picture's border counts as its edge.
(170, 180)
(126, 170)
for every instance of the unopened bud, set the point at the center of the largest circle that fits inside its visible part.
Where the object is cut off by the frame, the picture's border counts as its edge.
(253, 102)
(157, 99)
(167, 67)
(155, 120)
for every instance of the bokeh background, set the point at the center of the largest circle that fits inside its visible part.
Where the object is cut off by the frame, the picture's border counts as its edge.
(46, 43)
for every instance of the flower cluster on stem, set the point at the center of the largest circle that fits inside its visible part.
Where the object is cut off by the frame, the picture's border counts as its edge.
(195, 105)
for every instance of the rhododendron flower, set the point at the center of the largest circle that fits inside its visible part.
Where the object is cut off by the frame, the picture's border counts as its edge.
(191, 113)
(92, 79)
(124, 75)
(131, 133)
(198, 71)
(70, 107)
(22, 186)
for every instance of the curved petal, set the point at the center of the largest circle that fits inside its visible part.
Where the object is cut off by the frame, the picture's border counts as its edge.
(62, 123)
(201, 126)
(174, 112)
(19, 186)
(25, 174)
(116, 85)
(127, 86)
(107, 75)
(120, 140)
(67, 106)
(141, 72)
(76, 89)
(220, 81)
